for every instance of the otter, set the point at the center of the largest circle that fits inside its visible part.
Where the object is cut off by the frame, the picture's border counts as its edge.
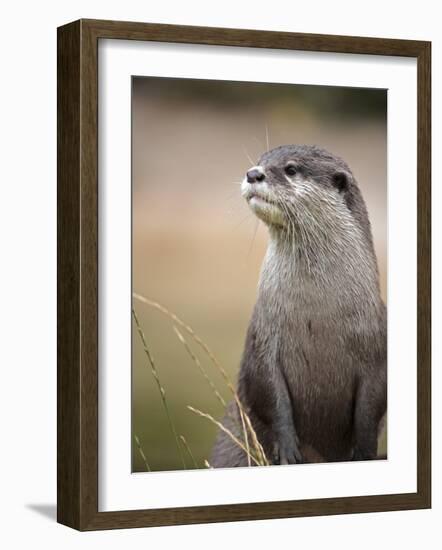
(313, 374)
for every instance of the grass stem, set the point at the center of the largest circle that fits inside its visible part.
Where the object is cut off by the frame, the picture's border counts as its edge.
(225, 430)
(188, 449)
(244, 416)
(158, 382)
(200, 367)
(140, 450)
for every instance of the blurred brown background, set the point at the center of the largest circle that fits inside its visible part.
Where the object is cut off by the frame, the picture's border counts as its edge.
(197, 249)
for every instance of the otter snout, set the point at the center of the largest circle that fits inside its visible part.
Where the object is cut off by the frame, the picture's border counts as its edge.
(260, 198)
(255, 174)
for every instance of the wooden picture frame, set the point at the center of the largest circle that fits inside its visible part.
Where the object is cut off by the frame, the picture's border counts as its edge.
(77, 459)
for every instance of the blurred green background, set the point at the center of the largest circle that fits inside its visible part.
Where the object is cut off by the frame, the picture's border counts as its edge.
(197, 249)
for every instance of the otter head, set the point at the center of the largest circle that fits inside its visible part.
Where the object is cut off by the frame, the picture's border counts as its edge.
(301, 188)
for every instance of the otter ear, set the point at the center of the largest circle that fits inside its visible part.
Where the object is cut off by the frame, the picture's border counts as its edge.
(341, 180)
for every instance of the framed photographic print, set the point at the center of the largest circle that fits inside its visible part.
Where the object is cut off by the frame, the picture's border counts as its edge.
(241, 216)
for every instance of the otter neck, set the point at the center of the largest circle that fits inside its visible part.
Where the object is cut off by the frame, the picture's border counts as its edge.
(340, 269)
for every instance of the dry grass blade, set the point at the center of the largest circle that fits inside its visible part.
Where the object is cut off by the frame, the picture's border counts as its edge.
(140, 450)
(246, 437)
(207, 464)
(186, 446)
(158, 382)
(226, 431)
(190, 331)
(200, 367)
(203, 345)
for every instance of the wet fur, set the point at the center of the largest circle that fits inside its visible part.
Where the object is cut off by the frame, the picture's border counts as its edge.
(313, 372)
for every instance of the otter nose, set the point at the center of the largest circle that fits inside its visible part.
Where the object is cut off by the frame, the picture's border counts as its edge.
(255, 175)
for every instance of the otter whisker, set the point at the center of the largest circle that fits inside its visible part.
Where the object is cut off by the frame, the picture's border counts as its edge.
(249, 158)
(253, 240)
(267, 139)
(232, 195)
(248, 217)
(258, 142)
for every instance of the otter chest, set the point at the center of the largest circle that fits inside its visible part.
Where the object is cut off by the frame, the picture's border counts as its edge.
(304, 330)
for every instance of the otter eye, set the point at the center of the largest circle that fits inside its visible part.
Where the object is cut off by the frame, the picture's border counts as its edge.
(290, 170)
